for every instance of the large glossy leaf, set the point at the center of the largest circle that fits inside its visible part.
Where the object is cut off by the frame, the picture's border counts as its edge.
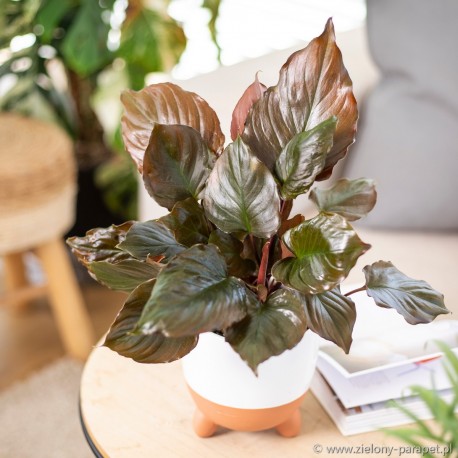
(100, 244)
(241, 193)
(277, 325)
(188, 223)
(232, 248)
(332, 316)
(303, 158)
(166, 103)
(415, 300)
(85, 44)
(176, 164)
(152, 238)
(150, 348)
(124, 275)
(252, 93)
(353, 199)
(325, 249)
(195, 294)
(50, 14)
(313, 86)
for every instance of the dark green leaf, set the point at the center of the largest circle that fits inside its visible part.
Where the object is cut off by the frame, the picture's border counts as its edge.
(151, 348)
(85, 45)
(176, 164)
(101, 244)
(151, 238)
(415, 300)
(166, 103)
(241, 194)
(50, 14)
(278, 325)
(188, 223)
(353, 199)
(313, 86)
(303, 158)
(124, 275)
(332, 316)
(194, 294)
(232, 248)
(326, 248)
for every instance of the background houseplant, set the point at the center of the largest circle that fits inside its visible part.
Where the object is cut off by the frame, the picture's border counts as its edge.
(70, 50)
(229, 257)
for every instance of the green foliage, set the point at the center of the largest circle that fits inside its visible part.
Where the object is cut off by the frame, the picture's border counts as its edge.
(444, 431)
(229, 257)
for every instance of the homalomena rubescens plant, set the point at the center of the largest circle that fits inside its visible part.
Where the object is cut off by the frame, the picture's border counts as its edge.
(229, 257)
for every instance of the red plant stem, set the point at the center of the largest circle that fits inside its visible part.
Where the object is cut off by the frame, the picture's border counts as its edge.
(264, 261)
(357, 290)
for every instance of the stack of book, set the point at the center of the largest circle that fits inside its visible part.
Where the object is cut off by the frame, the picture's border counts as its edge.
(357, 389)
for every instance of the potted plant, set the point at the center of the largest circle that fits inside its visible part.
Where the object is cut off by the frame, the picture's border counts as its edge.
(229, 268)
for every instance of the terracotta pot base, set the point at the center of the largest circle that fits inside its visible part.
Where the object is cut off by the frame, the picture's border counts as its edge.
(286, 419)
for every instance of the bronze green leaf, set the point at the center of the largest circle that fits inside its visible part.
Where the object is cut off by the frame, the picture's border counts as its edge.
(151, 238)
(353, 199)
(241, 193)
(176, 164)
(124, 275)
(313, 86)
(100, 244)
(166, 103)
(415, 300)
(303, 158)
(277, 325)
(149, 348)
(325, 249)
(195, 294)
(332, 316)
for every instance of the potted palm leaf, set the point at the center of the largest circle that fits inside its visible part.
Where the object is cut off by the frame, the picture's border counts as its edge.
(229, 268)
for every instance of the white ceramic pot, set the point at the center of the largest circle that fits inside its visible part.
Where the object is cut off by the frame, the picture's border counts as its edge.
(229, 394)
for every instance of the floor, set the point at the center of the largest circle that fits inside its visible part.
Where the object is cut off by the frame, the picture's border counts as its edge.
(29, 338)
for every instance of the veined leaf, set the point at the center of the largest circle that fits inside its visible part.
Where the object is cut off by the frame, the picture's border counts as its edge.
(353, 199)
(188, 223)
(252, 93)
(303, 158)
(166, 103)
(152, 238)
(415, 300)
(277, 325)
(325, 248)
(151, 348)
(100, 244)
(176, 164)
(313, 86)
(232, 248)
(195, 294)
(332, 316)
(124, 275)
(241, 194)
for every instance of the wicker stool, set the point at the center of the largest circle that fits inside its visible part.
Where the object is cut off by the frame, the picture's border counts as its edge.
(37, 200)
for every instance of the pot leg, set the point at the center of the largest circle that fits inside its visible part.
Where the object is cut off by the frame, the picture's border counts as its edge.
(292, 426)
(203, 426)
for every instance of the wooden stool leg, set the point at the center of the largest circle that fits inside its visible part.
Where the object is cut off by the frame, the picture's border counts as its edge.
(15, 276)
(66, 299)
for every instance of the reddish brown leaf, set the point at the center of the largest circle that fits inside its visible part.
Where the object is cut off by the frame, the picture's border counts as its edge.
(313, 86)
(165, 103)
(252, 93)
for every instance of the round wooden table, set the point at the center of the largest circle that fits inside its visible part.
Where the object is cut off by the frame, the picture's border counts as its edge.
(131, 410)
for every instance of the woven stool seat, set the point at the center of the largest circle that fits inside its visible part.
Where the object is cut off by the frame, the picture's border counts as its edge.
(37, 207)
(37, 182)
